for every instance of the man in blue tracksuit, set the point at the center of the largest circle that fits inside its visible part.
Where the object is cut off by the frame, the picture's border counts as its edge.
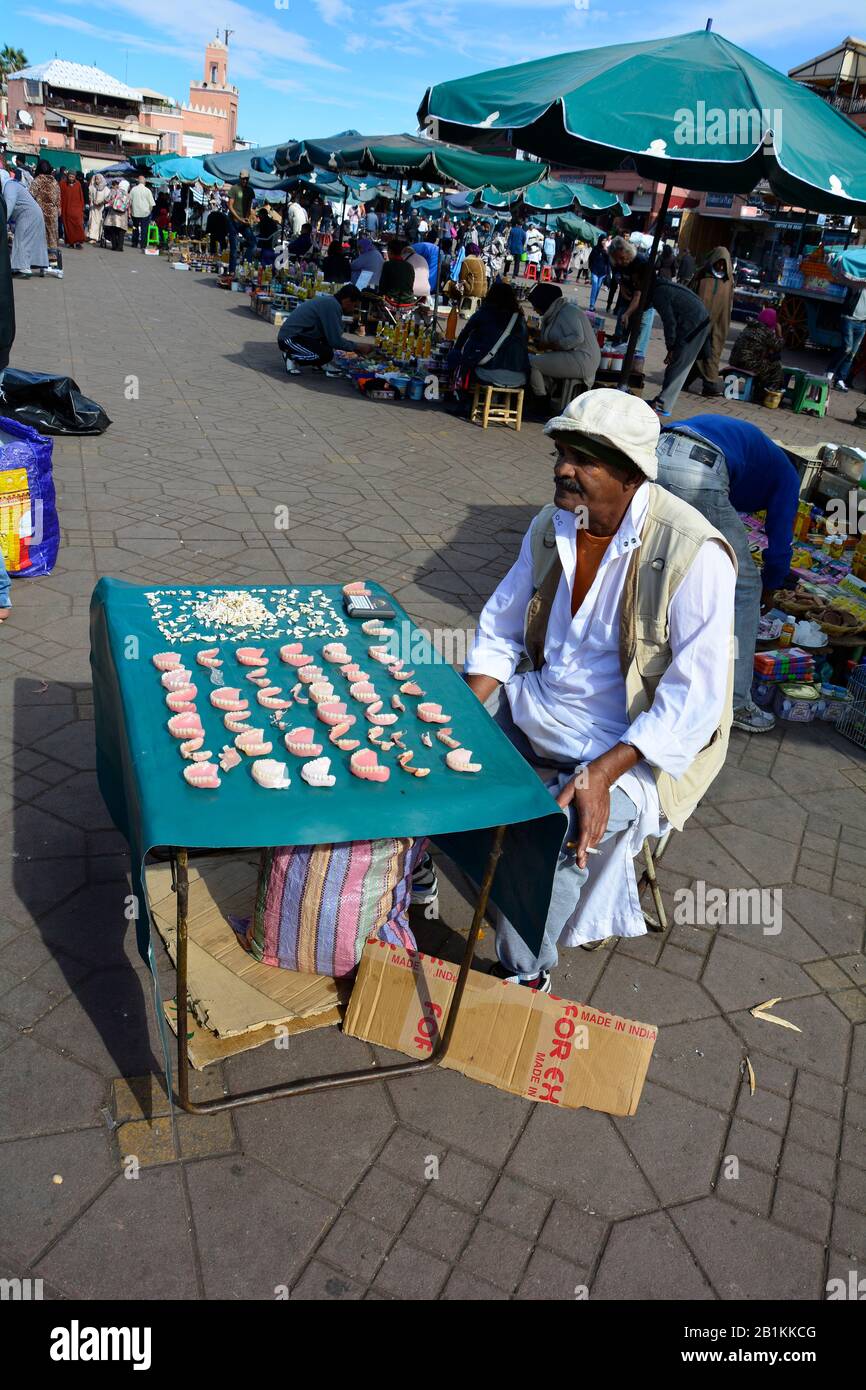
(723, 467)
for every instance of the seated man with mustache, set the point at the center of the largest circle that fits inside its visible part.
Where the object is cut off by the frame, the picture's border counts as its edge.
(606, 656)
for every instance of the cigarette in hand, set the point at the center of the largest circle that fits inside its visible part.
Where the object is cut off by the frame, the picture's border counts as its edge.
(572, 844)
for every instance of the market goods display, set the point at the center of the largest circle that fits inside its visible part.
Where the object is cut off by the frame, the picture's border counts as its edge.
(375, 721)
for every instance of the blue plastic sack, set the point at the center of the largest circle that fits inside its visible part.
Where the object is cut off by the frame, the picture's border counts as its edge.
(29, 525)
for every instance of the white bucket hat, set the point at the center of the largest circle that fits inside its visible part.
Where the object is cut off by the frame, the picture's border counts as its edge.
(615, 420)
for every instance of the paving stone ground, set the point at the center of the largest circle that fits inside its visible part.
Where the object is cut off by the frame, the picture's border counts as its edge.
(334, 1197)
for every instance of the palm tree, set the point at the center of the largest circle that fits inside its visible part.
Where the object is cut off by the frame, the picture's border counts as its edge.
(11, 60)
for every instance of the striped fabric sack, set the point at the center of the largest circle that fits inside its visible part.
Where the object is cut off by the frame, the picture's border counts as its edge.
(317, 904)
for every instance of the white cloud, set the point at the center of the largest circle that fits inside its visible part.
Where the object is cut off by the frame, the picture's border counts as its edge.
(334, 11)
(257, 40)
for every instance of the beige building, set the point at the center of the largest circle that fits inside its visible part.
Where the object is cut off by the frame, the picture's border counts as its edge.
(59, 108)
(839, 76)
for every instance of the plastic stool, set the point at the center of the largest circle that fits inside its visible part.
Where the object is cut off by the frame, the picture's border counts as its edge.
(571, 386)
(151, 247)
(546, 273)
(531, 272)
(810, 398)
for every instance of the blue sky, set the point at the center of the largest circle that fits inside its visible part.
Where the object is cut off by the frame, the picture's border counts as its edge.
(314, 67)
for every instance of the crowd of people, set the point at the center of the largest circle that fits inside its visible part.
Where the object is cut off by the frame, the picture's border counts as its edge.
(411, 260)
(50, 210)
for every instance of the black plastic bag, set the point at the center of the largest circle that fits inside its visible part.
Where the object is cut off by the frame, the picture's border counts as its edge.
(51, 404)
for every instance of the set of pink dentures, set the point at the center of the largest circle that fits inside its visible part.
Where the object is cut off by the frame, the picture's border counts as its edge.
(313, 688)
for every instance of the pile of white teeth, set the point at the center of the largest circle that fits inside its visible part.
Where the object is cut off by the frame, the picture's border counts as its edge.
(233, 608)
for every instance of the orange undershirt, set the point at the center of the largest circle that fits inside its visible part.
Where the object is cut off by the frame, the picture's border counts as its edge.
(590, 553)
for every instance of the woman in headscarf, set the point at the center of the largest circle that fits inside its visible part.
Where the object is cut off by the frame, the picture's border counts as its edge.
(115, 220)
(566, 347)
(758, 349)
(714, 286)
(72, 207)
(46, 191)
(368, 258)
(24, 215)
(98, 199)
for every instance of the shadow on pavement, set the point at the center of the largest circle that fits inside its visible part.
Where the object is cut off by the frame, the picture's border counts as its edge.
(79, 903)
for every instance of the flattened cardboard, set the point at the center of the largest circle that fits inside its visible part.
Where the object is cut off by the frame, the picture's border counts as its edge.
(230, 992)
(205, 1047)
(531, 1045)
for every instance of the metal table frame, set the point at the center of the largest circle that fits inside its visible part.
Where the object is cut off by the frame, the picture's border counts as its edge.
(180, 884)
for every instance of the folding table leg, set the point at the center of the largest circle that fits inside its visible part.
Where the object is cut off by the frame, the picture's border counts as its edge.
(318, 1083)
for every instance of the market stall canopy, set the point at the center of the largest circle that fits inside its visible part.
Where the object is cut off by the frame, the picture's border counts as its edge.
(58, 159)
(576, 227)
(173, 166)
(404, 155)
(849, 266)
(693, 110)
(557, 195)
(259, 161)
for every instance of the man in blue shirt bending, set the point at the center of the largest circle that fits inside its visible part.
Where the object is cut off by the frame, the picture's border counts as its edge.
(722, 467)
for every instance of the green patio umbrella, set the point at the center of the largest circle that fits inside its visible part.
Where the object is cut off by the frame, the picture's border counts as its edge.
(693, 110)
(577, 228)
(409, 155)
(556, 195)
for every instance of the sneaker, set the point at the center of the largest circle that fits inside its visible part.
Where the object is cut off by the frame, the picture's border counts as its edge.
(292, 368)
(425, 889)
(540, 983)
(840, 385)
(753, 720)
(52, 270)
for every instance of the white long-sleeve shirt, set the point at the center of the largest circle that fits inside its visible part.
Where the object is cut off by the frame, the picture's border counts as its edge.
(574, 708)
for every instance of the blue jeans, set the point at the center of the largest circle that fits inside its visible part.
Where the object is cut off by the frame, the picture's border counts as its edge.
(852, 336)
(596, 282)
(513, 952)
(5, 585)
(621, 335)
(707, 488)
(139, 231)
(236, 231)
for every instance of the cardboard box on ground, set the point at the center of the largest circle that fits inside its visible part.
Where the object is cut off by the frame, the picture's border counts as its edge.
(532, 1045)
(535, 1046)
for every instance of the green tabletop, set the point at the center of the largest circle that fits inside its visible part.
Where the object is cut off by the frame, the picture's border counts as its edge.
(140, 766)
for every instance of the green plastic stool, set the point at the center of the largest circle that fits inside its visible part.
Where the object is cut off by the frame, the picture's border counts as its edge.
(152, 237)
(794, 378)
(810, 396)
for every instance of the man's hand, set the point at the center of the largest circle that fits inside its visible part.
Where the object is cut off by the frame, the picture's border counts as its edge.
(589, 790)
(768, 599)
(590, 793)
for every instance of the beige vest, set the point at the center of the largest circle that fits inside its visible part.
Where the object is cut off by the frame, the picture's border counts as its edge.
(673, 534)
